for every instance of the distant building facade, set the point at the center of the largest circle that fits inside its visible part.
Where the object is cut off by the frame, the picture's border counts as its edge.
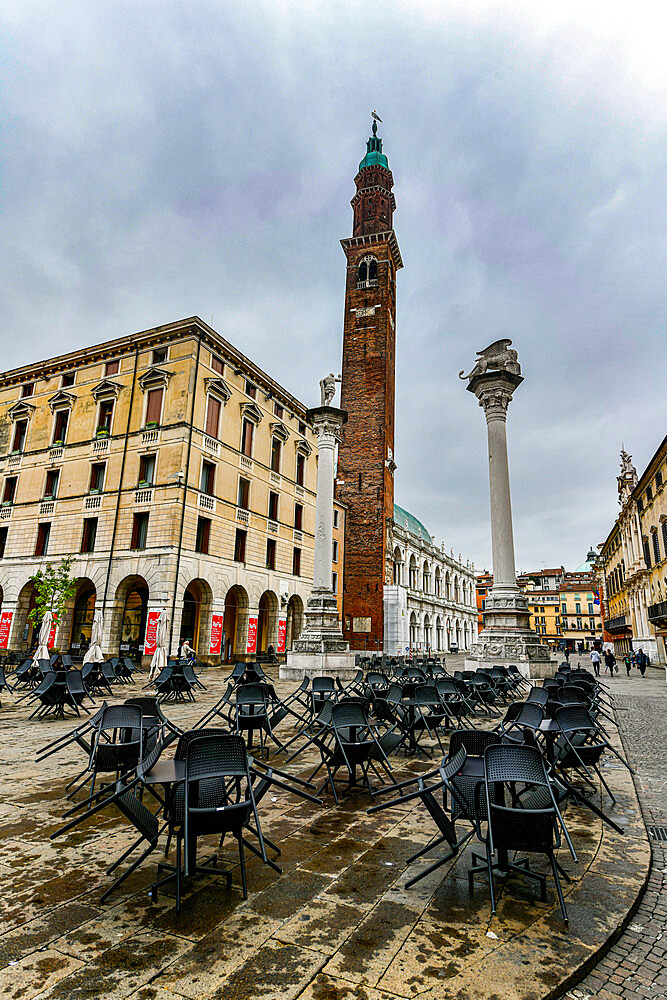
(180, 476)
(483, 584)
(430, 605)
(633, 560)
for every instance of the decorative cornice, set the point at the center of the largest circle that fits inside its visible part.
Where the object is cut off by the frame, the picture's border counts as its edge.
(218, 387)
(21, 410)
(280, 431)
(251, 411)
(388, 237)
(62, 401)
(105, 389)
(153, 378)
(302, 445)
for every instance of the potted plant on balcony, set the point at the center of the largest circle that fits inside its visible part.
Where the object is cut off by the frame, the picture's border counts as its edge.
(151, 425)
(143, 484)
(102, 432)
(58, 444)
(93, 491)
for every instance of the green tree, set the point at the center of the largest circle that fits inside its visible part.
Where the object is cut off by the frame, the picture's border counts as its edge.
(54, 587)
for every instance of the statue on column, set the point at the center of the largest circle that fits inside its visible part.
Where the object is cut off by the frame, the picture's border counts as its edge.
(498, 356)
(328, 388)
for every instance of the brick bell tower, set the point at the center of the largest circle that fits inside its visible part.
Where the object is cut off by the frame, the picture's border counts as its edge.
(366, 455)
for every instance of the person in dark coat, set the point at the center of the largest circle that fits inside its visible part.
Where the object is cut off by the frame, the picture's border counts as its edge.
(627, 660)
(642, 660)
(609, 661)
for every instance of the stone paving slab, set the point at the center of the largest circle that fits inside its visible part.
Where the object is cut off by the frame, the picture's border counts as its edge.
(339, 923)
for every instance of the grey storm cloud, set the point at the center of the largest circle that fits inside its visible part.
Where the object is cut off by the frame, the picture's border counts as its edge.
(166, 158)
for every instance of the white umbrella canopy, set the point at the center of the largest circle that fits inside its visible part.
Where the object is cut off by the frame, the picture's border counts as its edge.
(162, 638)
(42, 651)
(94, 652)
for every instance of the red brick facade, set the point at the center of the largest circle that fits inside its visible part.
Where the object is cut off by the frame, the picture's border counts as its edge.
(366, 456)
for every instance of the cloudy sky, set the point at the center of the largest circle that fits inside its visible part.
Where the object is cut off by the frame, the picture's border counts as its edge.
(163, 159)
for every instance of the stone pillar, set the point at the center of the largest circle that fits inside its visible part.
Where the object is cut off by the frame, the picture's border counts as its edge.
(321, 649)
(507, 636)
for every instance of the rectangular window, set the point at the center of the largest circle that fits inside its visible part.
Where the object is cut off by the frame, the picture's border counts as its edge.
(51, 484)
(273, 506)
(275, 454)
(577, 608)
(213, 416)
(251, 390)
(244, 494)
(105, 416)
(301, 473)
(334, 582)
(3, 540)
(42, 544)
(334, 554)
(296, 562)
(203, 534)
(647, 554)
(27, 389)
(658, 480)
(302, 427)
(67, 380)
(246, 440)
(20, 431)
(97, 471)
(139, 531)
(154, 406)
(239, 545)
(10, 489)
(112, 368)
(298, 516)
(217, 364)
(335, 524)
(147, 470)
(89, 534)
(564, 609)
(278, 410)
(159, 355)
(649, 494)
(270, 553)
(207, 479)
(656, 547)
(60, 426)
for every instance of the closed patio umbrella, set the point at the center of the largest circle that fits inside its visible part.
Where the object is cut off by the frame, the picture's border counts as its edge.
(94, 652)
(162, 638)
(42, 652)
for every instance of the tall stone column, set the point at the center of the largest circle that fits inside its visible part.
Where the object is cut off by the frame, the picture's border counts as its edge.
(507, 636)
(321, 649)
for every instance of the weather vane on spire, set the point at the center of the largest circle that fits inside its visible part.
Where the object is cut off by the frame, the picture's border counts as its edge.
(376, 118)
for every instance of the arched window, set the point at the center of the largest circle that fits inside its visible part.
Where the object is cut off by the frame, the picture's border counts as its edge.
(413, 574)
(448, 586)
(437, 582)
(368, 272)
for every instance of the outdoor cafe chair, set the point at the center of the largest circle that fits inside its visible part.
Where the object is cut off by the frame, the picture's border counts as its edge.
(538, 696)
(531, 825)
(223, 709)
(191, 677)
(520, 715)
(430, 713)
(217, 799)
(117, 746)
(352, 688)
(321, 689)
(481, 692)
(350, 742)
(76, 691)
(582, 744)
(50, 697)
(456, 705)
(251, 714)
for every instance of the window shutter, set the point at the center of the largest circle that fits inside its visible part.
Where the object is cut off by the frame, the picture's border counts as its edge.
(154, 405)
(213, 417)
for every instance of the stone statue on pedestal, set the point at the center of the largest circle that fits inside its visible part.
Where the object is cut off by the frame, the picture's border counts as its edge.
(496, 356)
(328, 388)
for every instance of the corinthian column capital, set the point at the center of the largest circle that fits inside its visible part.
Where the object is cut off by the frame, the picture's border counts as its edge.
(494, 390)
(327, 423)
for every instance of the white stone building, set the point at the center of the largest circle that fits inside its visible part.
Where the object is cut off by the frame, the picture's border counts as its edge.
(431, 604)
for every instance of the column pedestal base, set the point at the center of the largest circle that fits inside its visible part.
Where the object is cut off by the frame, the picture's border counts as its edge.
(320, 650)
(521, 648)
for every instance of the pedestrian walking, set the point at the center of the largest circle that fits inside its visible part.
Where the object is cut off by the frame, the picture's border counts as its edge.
(627, 660)
(642, 660)
(609, 661)
(595, 660)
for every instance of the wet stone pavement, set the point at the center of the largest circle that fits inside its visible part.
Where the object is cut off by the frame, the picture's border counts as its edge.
(338, 924)
(636, 966)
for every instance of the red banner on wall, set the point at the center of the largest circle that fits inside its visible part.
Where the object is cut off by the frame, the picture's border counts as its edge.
(282, 634)
(52, 633)
(216, 635)
(150, 642)
(5, 626)
(252, 634)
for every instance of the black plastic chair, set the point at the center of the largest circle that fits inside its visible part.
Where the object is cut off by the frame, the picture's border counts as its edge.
(252, 714)
(350, 742)
(526, 825)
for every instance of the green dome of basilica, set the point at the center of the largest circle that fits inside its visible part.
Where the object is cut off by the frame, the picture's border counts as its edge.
(374, 156)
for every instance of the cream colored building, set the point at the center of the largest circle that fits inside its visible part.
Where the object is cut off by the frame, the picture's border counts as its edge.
(179, 474)
(633, 560)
